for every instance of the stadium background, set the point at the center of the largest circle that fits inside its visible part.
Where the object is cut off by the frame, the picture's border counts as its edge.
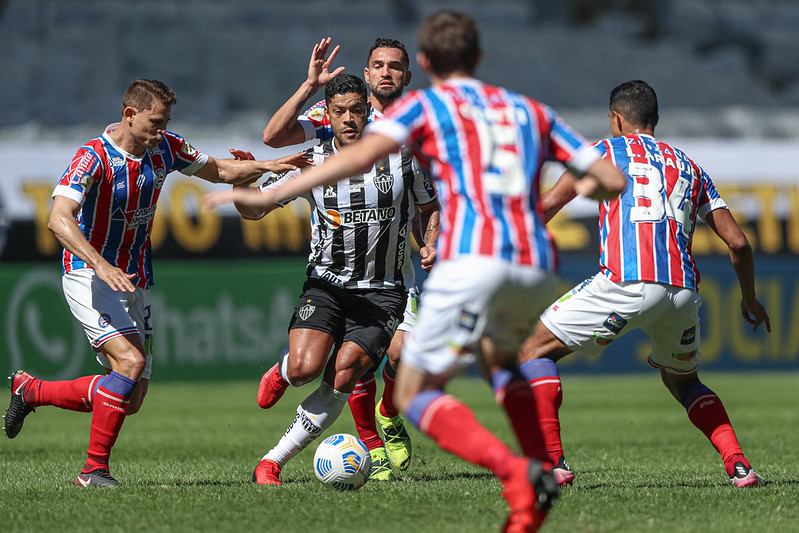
(727, 75)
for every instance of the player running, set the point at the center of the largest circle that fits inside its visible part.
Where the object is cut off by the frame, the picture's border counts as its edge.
(355, 294)
(387, 74)
(102, 214)
(495, 259)
(648, 278)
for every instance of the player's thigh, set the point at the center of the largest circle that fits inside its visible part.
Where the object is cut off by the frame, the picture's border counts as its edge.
(675, 330)
(317, 321)
(372, 318)
(594, 313)
(107, 315)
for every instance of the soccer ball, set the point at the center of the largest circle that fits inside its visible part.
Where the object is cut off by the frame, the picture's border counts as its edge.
(342, 462)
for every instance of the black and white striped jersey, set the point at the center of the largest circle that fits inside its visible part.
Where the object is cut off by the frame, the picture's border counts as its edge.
(361, 226)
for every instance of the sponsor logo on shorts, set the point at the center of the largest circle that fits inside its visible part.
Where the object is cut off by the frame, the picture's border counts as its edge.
(614, 323)
(600, 340)
(468, 320)
(104, 320)
(306, 311)
(688, 336)
(685, 356)
(392, 325)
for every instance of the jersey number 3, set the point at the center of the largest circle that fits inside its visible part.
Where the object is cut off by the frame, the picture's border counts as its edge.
(650, 204)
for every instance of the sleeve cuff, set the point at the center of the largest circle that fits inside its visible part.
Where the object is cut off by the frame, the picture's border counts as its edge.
(307, 127)
(390, 128)
(582, 160)
(69, 192)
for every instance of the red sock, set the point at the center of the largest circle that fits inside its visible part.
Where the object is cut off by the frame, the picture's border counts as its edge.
(517, 398)
(362, 405)
(108, 415)
(548, 398)
(387, 406)
(74, 395)
(455, 429)
(707, 413)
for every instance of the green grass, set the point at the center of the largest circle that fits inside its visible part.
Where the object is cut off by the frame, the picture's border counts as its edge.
(187, 458)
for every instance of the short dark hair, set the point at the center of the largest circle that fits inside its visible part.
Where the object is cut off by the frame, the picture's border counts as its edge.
(450, 41)
(141, 93)
(383, 42)
(637, 102)
(345, 84)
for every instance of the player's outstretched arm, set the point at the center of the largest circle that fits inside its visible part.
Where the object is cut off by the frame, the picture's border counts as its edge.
(237, 172)
(283, 129)
(724, 225)
(62, 224)
(248, 212)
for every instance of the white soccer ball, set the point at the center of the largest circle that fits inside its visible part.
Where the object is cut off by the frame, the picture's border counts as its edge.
(342, 462)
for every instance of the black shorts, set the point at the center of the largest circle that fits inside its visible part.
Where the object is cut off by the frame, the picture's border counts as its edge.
(367, 317)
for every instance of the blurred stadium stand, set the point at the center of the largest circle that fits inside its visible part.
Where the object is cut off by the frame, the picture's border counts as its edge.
(722, 68)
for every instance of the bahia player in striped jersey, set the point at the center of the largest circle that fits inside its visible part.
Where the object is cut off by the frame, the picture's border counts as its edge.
(387, 74)
(358, 271)
(495, 259)
(648, 279)
(102, 214)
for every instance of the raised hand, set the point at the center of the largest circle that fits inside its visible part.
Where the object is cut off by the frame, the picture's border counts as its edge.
(319, 66)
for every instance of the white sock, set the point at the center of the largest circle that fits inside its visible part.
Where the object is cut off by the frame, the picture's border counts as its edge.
(283, 364)
(314, 415)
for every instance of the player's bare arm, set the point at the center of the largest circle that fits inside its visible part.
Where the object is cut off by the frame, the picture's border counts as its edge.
(724, 225)
(429, 216)
(553, 200)
(62, 224)
(353, 159)
(283, 128)
(237, 172)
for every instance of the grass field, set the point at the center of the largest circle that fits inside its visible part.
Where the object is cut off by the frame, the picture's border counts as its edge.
(187, 458)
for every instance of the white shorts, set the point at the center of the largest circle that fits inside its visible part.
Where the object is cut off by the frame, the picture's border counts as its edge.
(106, 314)
(594, 313)
(472, 296)
(409, 317)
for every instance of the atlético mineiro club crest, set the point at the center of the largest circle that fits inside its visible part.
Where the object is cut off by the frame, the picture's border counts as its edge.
(306, 311)
(383, 179)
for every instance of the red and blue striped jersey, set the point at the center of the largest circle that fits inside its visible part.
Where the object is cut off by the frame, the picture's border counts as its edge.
(645, 234)
(316, 124)
(118, 192)
(485, 147)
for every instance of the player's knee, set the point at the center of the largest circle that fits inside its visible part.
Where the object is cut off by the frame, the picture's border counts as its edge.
(130, 363)
(393, 355)
(303, 371)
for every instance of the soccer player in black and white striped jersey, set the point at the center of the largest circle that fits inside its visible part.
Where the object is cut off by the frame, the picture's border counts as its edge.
(387, 73)
(356, 291)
